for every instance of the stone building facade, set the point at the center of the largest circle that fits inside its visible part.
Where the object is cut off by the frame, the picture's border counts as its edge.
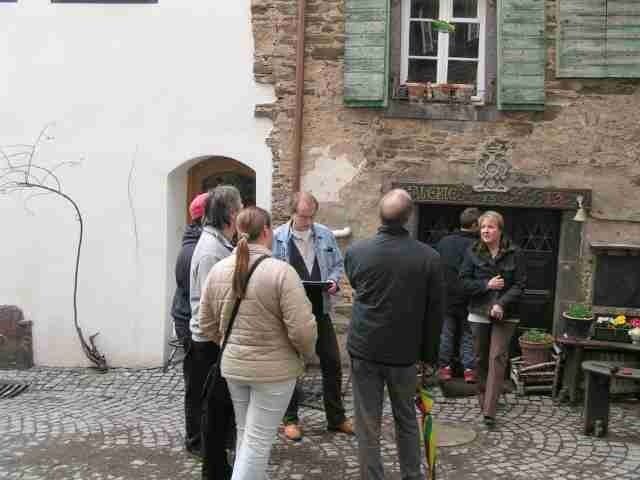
(584, 143)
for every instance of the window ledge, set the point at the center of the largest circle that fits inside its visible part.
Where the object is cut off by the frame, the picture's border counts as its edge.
(441, 111)
(614, 311)
(607, 247)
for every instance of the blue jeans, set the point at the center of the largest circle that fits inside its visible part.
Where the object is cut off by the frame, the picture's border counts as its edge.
(456, 322)
(259, 408)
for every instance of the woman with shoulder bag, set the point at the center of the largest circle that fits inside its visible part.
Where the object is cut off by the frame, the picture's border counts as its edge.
(273, 330)
(494, 276)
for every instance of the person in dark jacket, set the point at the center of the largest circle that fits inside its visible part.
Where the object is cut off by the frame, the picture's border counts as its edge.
(452, 249)
(396, 321)
(494, 276)
(181, 313)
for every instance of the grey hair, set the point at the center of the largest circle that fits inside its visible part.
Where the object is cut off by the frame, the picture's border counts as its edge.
(395, 208)
(224, 201)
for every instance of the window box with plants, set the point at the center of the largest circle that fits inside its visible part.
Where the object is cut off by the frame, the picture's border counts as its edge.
(617, 329)
(535, 345)
(578, 319)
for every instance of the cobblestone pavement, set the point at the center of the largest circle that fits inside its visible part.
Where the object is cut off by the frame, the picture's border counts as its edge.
(127, 424)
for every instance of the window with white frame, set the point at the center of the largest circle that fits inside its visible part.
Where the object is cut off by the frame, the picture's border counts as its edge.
(431, 53)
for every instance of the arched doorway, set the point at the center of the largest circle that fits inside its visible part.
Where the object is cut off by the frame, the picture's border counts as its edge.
(213, 171)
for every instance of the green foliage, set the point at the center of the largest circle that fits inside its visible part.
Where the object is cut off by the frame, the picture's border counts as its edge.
(536, 335)
(443, 26)
(580, 310)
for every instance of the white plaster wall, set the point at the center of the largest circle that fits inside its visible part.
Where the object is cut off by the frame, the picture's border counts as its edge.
(145, 86)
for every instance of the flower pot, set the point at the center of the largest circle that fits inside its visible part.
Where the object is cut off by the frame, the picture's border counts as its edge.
(462, 92)
(440, 92)
(450, 92)
(416, 92)
(577, 327)
(534, 353)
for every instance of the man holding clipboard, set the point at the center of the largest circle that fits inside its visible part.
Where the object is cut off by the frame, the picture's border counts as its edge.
(311, 249)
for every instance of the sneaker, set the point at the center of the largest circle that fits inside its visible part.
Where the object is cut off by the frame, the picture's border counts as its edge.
(292, 432)
(470, 375)
(445, 374)
(344, 427)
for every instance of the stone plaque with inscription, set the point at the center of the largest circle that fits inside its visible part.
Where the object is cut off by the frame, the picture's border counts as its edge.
(525, 197)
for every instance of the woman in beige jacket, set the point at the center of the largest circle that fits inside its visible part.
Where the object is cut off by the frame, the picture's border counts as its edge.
(272, 333)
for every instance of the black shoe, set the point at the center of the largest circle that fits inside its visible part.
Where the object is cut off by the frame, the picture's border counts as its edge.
(490, 422)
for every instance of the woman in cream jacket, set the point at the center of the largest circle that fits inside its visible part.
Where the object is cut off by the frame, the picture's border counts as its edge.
(273, 332)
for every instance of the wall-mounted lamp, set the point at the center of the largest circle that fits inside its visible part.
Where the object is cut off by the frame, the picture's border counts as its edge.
(581, 214)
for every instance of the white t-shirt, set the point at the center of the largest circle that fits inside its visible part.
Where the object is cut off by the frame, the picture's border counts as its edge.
(304, 243)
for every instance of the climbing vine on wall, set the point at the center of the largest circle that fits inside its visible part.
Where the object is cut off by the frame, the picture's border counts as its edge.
(20, 171)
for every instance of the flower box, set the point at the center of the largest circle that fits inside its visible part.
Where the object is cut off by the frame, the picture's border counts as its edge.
(607, 334)
(610, 329)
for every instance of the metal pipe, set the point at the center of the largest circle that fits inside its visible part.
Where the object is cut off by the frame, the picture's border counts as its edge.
(297, 129)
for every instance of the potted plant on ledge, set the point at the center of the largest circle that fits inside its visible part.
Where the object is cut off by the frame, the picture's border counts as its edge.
(578, 319)
(536, 346)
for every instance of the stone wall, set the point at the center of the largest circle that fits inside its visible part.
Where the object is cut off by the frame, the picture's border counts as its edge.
(588, 137)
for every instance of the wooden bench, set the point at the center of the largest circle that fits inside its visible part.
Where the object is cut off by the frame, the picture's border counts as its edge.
(574, 351)
(598, 377)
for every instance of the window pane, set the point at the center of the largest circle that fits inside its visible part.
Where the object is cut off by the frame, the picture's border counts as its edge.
(463, 43)
(465, 8)
(423, 39)
(424, 8)
(462, 72)
(422, 70)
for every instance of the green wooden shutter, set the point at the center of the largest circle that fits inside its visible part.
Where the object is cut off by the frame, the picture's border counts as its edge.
(366, 54)
(581, 43)
(623, 38)
(521, 54)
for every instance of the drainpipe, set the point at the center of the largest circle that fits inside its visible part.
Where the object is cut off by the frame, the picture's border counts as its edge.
(297, 128)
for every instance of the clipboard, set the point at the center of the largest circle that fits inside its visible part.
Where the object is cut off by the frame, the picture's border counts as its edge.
(314, 284)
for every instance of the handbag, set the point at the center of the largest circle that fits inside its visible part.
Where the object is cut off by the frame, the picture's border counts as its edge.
(215, 386)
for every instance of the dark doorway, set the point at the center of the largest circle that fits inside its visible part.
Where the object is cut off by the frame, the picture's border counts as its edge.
(214, 171)
(536, 231)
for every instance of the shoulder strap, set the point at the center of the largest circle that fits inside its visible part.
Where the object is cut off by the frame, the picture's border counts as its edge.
(236, 306)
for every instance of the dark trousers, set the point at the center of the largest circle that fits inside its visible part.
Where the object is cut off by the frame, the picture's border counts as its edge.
(192, 392)
(200, 358)
(327, 350)
(456, 326)
(491, 344)
(369, 380)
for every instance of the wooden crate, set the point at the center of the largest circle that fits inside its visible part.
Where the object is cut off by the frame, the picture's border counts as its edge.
(533, 379)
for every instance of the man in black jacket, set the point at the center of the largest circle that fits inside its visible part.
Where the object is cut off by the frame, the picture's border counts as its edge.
(395, 323)
(181, 313)
(452, 249)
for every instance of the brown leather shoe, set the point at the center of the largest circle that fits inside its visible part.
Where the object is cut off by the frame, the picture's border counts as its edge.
(344, 427)
(292, 432)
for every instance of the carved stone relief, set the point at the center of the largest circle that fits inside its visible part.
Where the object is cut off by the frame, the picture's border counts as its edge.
(493, 169)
